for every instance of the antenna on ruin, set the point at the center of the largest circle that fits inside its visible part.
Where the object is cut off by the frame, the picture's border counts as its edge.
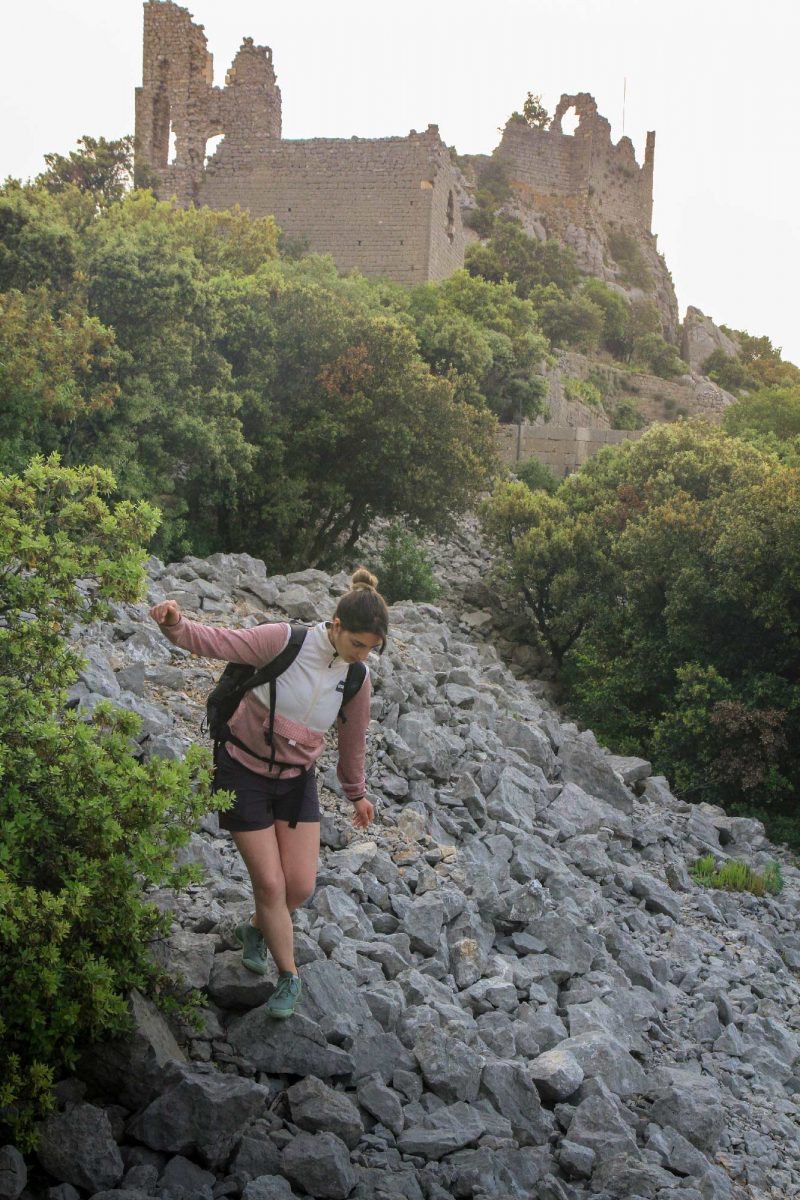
(624, 97)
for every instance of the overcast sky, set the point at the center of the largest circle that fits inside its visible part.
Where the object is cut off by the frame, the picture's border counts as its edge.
(718, 80)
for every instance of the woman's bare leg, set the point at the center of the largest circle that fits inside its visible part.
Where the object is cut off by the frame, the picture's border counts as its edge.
(262, 856)
(299, 854)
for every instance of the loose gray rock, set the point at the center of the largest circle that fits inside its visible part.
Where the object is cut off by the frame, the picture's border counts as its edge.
(511, 1090)
(78, 1147)
(296, 1047)
(13, 1173)
(692, 1104)
(199, 1113)
(450, 1069)
(443, 1131)
(268, 1187)
(583, 763)
(319, 1163)
(598, 1125)
(316, 1107)
(180, 1172)
(556, 1073)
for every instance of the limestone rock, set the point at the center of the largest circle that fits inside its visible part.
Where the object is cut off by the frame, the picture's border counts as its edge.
(78, 1147)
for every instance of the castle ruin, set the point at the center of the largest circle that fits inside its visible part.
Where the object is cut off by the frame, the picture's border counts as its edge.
(582, 176)
(387, 206)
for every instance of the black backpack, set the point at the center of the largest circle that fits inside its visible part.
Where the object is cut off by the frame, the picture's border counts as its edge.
(239, 678)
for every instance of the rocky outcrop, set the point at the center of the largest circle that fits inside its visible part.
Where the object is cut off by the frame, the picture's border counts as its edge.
(512, 987)
(701, 337)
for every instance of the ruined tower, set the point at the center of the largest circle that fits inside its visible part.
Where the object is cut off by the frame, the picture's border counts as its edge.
(178, 109)
(387, 206)
(582, 174)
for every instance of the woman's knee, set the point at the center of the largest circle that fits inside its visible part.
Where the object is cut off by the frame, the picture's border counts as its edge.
(299, 889)
(269, 887)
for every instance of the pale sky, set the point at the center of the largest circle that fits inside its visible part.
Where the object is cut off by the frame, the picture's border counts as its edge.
(718, 80)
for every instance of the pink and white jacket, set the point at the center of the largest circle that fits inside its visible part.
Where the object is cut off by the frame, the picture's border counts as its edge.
(309, 695)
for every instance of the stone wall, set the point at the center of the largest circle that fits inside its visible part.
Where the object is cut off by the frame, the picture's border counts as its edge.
(386, 206)
(655, 398)
(562, 448)
(585, 166)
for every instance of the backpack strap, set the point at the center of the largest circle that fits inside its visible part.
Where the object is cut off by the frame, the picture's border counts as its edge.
(269, 674)
(356, 674)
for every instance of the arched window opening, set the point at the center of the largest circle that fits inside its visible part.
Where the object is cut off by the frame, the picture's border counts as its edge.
(570, 120)
(211, 145)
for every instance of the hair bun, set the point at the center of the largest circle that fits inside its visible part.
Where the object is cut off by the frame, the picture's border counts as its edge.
(362, 578)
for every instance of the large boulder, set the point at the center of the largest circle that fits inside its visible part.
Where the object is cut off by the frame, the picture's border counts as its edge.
(77, 1146)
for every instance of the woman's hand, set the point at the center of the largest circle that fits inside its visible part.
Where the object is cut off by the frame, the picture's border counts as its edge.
(363, 812)
(168, 612)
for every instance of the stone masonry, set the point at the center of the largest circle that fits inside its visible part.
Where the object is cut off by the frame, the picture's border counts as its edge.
(596, 176)
(388, 206)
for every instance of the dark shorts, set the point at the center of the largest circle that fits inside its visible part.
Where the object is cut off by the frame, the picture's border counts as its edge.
(261, 801)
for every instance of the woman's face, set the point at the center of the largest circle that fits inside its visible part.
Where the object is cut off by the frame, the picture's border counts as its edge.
(353, 647)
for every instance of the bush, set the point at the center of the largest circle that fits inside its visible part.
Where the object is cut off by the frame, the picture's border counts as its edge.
(645, 578)
(627, 254)
(405, 571)
(85, 824)
(658, 356)
(528, 263)
(574, 323)
(626, 415)
(583, 391)
(536, 476)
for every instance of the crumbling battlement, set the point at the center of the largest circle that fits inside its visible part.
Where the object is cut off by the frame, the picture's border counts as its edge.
(386, 206)
(601, 178)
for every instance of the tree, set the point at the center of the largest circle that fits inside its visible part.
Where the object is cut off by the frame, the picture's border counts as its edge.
(487, 340)
(577, 323)
(85, 824)
(38, 245)
(769, 419)
(103, 169)
(348, 422)
(616, 315)
(55, 372)
(646, 575)
(534, 114)
(657, 355)
(528, 263)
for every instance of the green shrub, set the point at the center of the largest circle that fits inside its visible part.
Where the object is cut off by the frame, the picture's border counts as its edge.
(536, 476)
(405, 571)
(627, 254)
(626, 415)
(575, 323)
(85, 825)
(658, 356)
(736, 876)
(582, 390)
(645, 578)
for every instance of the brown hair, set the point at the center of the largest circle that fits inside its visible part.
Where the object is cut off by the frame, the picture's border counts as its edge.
(363, 609)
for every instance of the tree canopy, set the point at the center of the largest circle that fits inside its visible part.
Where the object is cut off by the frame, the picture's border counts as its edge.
(264, 403)
(665, 578)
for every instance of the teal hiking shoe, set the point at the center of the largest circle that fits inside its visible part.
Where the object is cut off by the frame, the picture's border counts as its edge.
(283, 1000)
(254, 949)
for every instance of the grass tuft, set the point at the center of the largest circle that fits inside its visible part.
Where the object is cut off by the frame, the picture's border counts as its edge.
(736, 876)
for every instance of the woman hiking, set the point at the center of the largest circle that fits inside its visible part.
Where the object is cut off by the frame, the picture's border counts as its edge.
(275, 819)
